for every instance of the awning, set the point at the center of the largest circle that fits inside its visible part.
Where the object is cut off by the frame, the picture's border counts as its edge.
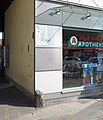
(72, 16)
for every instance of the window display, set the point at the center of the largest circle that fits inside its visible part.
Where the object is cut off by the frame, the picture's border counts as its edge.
(82, 58)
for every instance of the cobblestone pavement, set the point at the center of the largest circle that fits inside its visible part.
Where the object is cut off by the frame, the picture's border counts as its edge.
(14, 106)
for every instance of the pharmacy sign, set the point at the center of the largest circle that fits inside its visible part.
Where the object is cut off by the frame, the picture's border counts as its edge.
(74, 42)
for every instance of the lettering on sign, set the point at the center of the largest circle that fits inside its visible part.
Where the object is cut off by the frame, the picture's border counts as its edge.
(73, 41)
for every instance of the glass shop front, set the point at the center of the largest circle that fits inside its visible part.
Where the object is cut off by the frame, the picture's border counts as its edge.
(68, 47)
(82, 58)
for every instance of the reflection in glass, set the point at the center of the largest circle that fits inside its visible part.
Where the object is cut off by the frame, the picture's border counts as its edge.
(82, 65)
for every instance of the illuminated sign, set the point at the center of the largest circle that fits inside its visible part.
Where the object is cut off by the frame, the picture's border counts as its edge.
(90, 44)
(73, 41)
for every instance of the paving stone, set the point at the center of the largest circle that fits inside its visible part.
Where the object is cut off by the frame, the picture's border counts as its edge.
(12, 107)
(64, 117)
(26, 117)
(93, 111)
(13, 114)
(22, 111)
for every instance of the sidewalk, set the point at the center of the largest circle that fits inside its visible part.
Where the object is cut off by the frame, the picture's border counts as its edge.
(14, 106)
(72, 109)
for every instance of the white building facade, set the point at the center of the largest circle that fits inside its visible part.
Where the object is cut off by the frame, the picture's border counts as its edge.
(58, 22)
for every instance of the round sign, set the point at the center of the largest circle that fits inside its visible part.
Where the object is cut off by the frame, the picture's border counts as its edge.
(73, 40)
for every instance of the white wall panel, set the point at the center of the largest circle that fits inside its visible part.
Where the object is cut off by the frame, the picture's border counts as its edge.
(94, 3)
(48, 59)
(88, 2)
(99, 3)
(48, 36)
(49, 82)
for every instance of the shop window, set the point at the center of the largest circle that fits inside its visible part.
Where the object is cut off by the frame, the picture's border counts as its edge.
(82, 58)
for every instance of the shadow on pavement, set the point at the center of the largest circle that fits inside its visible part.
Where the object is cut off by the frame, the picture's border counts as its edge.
(92, 92)
(12, 96)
